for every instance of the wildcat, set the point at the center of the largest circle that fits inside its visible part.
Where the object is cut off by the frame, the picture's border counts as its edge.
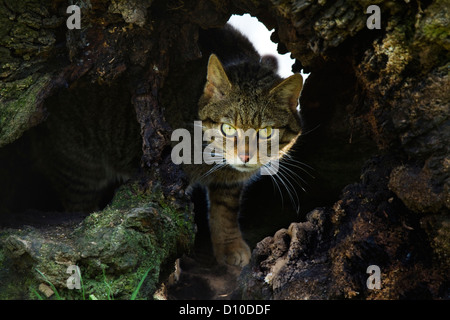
(242, 92)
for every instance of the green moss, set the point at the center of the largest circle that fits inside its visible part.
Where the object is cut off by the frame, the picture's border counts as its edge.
(433, 27)
(13, 285)
(436, 32)
(13, 90)
(139, 235)
(19, 102)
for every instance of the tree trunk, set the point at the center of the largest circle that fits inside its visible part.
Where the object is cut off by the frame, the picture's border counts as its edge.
(375, 110)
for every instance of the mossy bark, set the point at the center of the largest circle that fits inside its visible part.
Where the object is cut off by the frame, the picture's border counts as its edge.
(399, 211)
(149, 222)
(370, 93)
(137, 233)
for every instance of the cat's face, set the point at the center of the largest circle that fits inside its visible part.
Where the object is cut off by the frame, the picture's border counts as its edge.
(252, 122)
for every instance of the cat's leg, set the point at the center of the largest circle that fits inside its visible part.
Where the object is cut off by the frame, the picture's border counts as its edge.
(228, 245)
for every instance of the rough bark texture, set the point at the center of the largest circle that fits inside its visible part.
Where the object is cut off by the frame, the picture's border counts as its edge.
(149, 222)
(381, 97)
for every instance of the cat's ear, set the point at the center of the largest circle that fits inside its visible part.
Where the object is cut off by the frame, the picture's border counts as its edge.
(217, 83)
(288, 91)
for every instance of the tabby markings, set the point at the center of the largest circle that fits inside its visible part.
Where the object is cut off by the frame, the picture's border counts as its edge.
(214, 151)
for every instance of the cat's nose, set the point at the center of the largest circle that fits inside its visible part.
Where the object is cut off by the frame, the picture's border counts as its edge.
(244, 157)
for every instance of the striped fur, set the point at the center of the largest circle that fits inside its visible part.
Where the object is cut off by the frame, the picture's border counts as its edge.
(243, 91)
(89, 144)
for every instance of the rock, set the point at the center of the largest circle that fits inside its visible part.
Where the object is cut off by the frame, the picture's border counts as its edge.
(113, 248)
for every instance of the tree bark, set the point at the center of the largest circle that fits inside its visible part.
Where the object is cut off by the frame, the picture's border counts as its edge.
(376, 103)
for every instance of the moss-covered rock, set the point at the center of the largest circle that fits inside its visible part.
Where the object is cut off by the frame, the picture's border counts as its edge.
(115, 248)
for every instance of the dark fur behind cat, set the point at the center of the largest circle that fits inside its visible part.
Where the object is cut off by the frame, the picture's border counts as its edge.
(76, 158)
(91, 142)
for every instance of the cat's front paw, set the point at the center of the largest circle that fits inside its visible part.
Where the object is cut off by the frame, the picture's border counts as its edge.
(235, 254)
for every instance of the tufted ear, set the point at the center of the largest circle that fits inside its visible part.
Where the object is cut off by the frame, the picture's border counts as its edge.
(217, 83)
(288, 91)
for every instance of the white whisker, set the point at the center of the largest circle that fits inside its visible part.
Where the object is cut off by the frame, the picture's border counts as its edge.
(289, 178)
(214, 168)
(288, 159)
(293, 175)
(289, 188)
(274, 181)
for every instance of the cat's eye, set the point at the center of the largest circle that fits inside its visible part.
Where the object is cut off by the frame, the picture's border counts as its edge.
(228, 130)
(265, 133)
